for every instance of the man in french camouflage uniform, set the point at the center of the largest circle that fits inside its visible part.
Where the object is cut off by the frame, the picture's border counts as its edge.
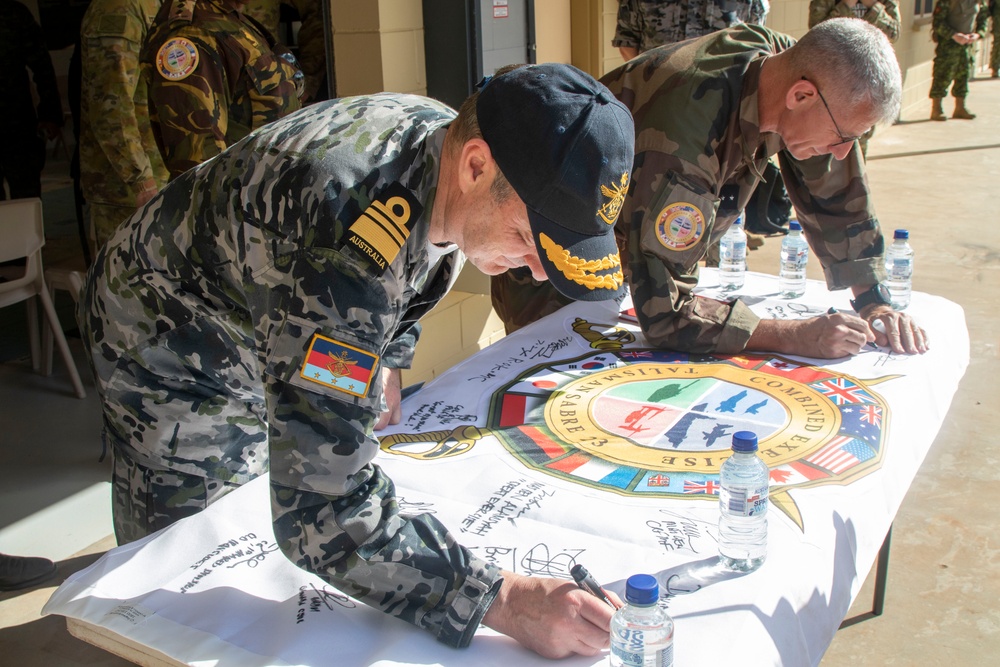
(883, 14)
(214, 75)
(22, 147)
(645, 24)
(956, 26)
(120, 165)
(248, 316)
(709, 113)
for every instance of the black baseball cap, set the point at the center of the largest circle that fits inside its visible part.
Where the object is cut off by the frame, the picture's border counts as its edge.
(565, 145)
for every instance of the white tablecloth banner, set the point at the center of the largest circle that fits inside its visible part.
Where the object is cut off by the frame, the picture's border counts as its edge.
(572, 442)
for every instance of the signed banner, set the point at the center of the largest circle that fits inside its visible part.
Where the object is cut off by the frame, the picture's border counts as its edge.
(572, 441)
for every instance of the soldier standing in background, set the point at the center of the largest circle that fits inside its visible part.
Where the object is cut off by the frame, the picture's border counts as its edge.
(956, 26)
(883, 14)
(645, 24)
(214, 75)
(120, 165)
(22, 145)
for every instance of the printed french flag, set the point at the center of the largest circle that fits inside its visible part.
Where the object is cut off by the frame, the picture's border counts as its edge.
(339, 366)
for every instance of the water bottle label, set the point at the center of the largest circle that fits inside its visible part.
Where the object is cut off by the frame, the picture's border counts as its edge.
(900, 269)
(741, 501)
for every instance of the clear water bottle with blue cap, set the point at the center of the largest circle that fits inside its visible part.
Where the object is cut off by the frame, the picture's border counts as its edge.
(794, 257)
(733, 257)
(743, 499)
(642, 634)
(899, 269)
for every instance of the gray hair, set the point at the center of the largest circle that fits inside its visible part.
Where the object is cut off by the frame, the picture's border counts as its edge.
(856, 60)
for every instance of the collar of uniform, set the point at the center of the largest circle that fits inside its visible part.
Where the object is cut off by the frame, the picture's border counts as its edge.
(751, 139)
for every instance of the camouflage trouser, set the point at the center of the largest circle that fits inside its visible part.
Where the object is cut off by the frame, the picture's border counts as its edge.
(519, 299)
(104, 220)
(952, 62)
(146, 499)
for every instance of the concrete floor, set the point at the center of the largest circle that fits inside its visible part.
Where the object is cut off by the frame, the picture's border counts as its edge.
(939, 180)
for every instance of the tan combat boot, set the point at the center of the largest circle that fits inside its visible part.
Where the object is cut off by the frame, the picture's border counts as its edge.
(937, 113)
(960, 111)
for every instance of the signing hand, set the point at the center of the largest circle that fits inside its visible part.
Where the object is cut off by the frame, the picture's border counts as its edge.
(828, 336)
(553, 618)
(897, 331)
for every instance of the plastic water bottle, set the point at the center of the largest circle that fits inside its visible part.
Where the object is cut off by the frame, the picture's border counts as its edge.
(899, 268)
(743, 506)
(794, 257)
(733, 257)
(642, 634)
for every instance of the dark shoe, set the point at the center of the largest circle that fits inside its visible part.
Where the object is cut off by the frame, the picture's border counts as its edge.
(17, 572)
(995, 75)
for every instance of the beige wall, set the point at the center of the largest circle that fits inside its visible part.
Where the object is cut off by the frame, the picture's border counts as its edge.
(552, 31)
(378, 46)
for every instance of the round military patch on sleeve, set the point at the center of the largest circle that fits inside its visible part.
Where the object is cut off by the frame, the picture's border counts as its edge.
(176, 59)
(679, 225)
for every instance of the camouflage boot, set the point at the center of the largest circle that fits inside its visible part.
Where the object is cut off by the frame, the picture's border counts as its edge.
(960, 111)
(937, 113)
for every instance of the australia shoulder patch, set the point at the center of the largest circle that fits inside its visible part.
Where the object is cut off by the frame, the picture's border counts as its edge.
(177, 59)
(679, 225)
(381, 230)
(339, 366)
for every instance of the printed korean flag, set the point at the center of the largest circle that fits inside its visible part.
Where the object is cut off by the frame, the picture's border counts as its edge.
(339, 366)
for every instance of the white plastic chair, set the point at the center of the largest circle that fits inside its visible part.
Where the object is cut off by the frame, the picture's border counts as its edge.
(22, 236)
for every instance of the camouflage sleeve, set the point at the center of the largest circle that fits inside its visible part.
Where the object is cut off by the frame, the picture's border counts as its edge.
(36, 56)
(265, 12)
(884, 15)
(663, 263)
(833, 201)
(982, 19)
(193, 112)
(939, 21)
(335, 513)
(111, 77)
(629, 29)
(821, 10)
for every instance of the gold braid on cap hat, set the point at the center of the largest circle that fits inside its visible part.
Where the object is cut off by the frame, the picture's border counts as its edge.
(582, 271)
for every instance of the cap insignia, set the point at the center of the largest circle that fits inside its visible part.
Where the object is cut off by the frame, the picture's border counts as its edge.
(584, 271)
(616, 194)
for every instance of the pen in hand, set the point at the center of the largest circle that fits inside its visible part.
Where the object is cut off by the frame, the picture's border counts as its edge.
(587, 582)
(833, 311)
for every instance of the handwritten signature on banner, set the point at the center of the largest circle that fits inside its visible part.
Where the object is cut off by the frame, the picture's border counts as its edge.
(314, 600)
(510, 502)
(443, 412)
(233, 553)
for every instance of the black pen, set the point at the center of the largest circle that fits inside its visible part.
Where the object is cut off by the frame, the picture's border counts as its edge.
(587, 582)
(833, 311)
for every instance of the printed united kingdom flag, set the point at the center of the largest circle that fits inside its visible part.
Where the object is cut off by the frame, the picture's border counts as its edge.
(709, 487)
(842, 391)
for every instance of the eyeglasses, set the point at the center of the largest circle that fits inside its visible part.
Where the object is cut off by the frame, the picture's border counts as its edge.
(843, 139)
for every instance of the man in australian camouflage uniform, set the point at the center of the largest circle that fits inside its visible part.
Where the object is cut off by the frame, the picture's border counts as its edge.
(22, 149)
(214, 75)
(708, 114)
(883, 14)
(248, 314)
(120, 165)
(956, 26)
